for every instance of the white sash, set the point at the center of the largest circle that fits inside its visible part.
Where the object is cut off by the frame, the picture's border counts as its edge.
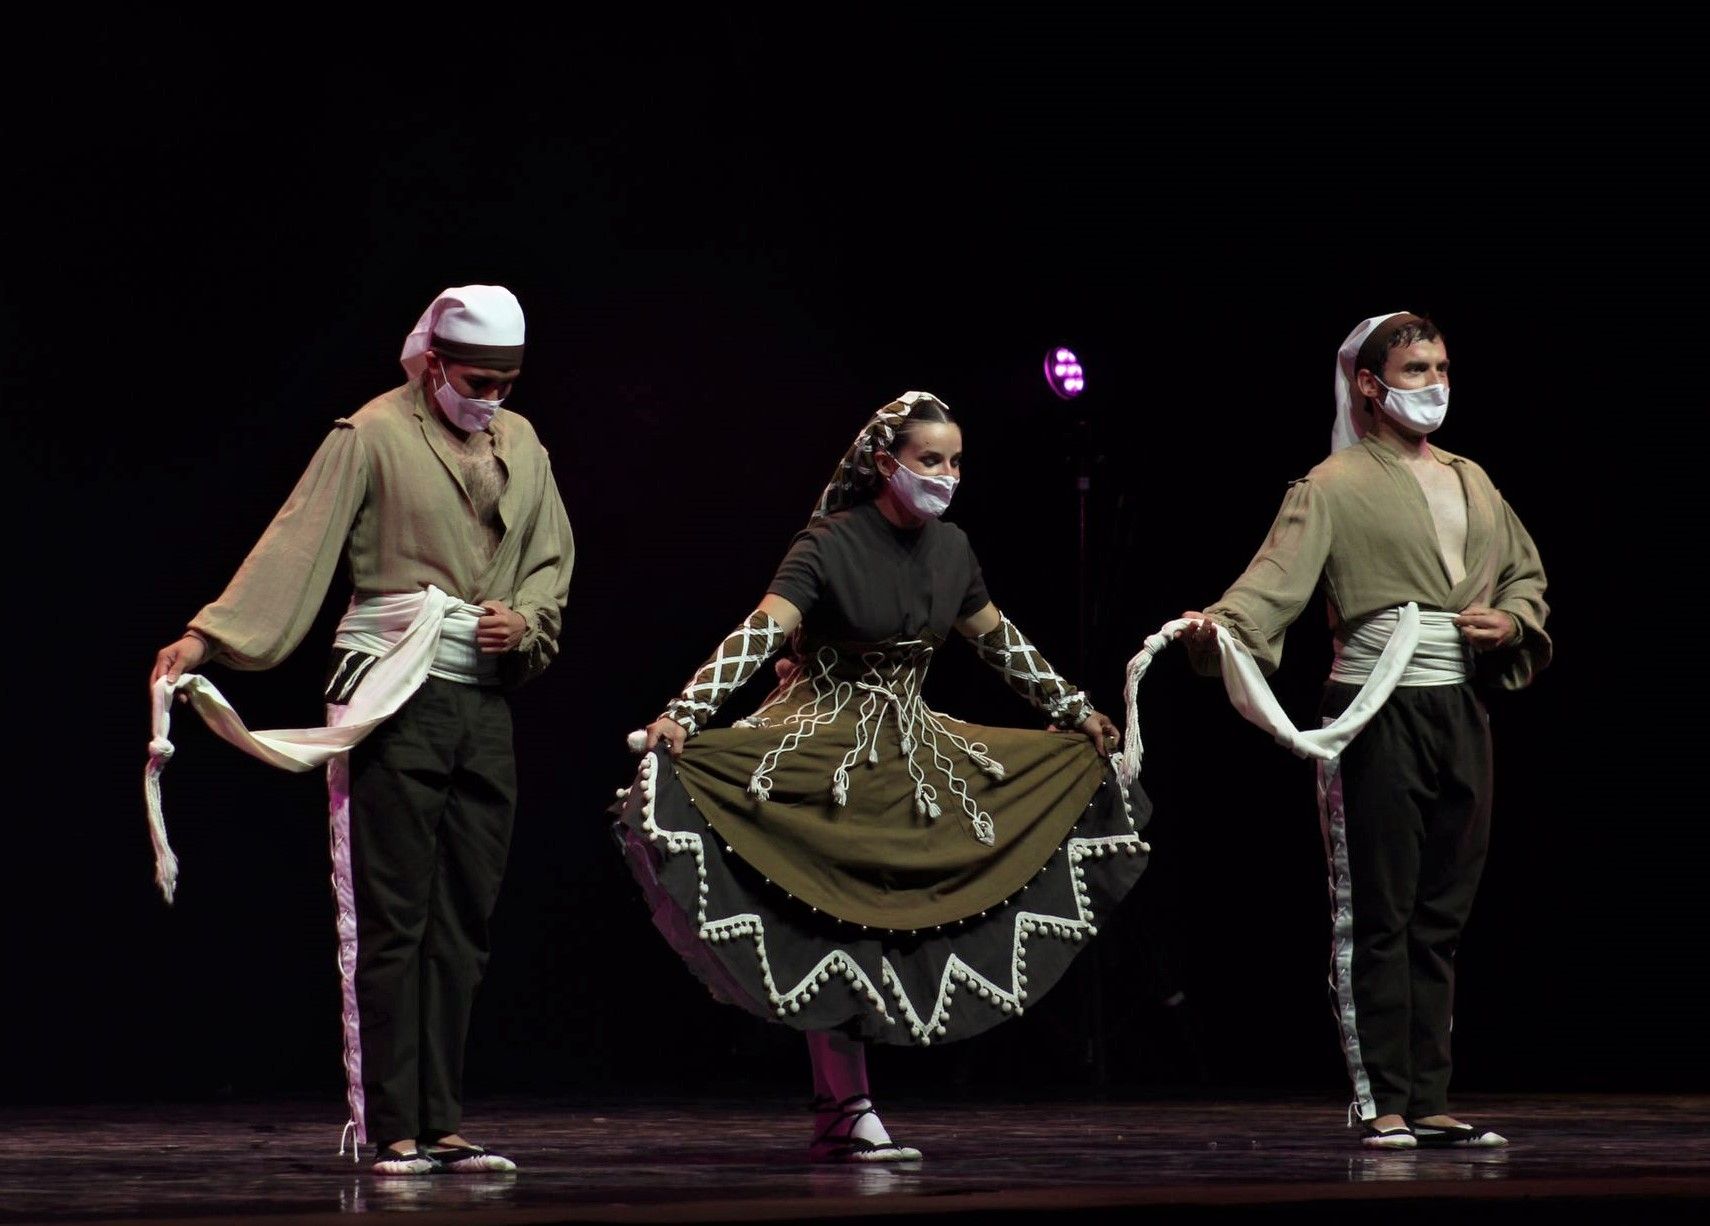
(1441, 658)
(418, 635)
(1252, 697)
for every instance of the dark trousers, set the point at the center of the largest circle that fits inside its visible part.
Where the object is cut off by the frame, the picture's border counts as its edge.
(432, 801)
(1406, 817)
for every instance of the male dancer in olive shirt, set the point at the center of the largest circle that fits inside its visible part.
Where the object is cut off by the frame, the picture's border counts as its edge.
(432, 486)
(1388, 520)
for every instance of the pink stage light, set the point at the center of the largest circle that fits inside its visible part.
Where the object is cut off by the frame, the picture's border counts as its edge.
(1063, 373)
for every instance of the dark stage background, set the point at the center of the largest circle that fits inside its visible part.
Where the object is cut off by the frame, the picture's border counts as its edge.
(734, 242)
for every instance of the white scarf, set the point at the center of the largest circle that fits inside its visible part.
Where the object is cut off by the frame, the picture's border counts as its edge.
(1252, 697)
(418, 635)
(470, 314)
(1347, 429)
(1442, 656)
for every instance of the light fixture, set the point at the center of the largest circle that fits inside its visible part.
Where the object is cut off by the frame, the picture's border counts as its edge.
(1063, 373)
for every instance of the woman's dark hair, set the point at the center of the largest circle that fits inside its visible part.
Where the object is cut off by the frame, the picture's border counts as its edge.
(866, 481)
(924, 411)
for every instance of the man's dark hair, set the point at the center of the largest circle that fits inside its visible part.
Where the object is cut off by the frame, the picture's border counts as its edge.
(1395, 333)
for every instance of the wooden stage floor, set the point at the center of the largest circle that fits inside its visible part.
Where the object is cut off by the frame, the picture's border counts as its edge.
(1621, 1158)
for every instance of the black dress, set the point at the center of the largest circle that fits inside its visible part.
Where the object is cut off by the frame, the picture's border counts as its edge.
(846, 858)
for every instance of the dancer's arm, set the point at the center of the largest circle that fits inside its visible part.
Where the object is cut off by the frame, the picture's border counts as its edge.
(1260, 606)
(543, 585)
(998, 642)
(733, 662)
(277, 592)
(1519, 597)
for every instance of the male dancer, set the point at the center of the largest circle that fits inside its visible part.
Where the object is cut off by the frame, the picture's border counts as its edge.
(1385, 521)
(445, 506)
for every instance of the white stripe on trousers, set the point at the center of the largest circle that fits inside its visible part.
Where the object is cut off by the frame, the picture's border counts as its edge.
(1333, 821)
(344, 900)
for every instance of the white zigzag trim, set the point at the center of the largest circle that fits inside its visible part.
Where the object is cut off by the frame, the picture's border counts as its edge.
(1012, 999)
(736, 927)
(957, 973)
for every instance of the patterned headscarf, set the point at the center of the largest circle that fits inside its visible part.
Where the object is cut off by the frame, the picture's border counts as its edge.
(856, 473)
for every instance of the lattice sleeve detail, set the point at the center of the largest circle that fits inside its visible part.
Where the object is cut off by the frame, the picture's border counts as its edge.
(1031, 675)
(737, 659)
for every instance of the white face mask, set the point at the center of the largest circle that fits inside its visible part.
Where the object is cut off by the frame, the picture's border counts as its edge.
(465, 413)
(1420, 409)
(925, 496)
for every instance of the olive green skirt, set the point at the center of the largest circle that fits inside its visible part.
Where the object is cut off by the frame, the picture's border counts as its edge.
(919, 891)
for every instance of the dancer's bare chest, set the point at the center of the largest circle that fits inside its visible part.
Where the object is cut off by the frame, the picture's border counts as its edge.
(1447, 501)
(483, 478)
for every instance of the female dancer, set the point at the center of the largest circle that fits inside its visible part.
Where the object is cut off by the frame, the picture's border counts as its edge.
(847, 860)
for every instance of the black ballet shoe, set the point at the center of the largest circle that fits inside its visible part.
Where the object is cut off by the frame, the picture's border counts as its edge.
(1469, 1136)
(845, 1147)
(464, 1159)
(1396, 1136)
(388, 1161)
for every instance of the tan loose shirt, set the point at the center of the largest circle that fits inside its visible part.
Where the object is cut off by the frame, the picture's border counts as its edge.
(384, 490)
(1359, 525)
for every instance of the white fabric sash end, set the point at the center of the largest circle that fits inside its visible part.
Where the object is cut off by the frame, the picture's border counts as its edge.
(410, 655)
(1251, 695)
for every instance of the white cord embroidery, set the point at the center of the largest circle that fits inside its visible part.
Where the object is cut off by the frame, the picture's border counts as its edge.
(1020, 663)
(889, 682)
(923, 1025)
(735, 660)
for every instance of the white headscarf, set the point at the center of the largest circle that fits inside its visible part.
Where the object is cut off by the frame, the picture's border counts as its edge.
(1348, 429)
(484, 315)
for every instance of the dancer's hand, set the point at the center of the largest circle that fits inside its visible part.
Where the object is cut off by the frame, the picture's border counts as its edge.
(181, 657)
(1203, 632)
(1104, 735)
(501, 630)
(1486, 629)
(668, 730)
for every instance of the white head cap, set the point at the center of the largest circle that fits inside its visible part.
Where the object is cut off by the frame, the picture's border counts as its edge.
(478, 324)
(1348, 429)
